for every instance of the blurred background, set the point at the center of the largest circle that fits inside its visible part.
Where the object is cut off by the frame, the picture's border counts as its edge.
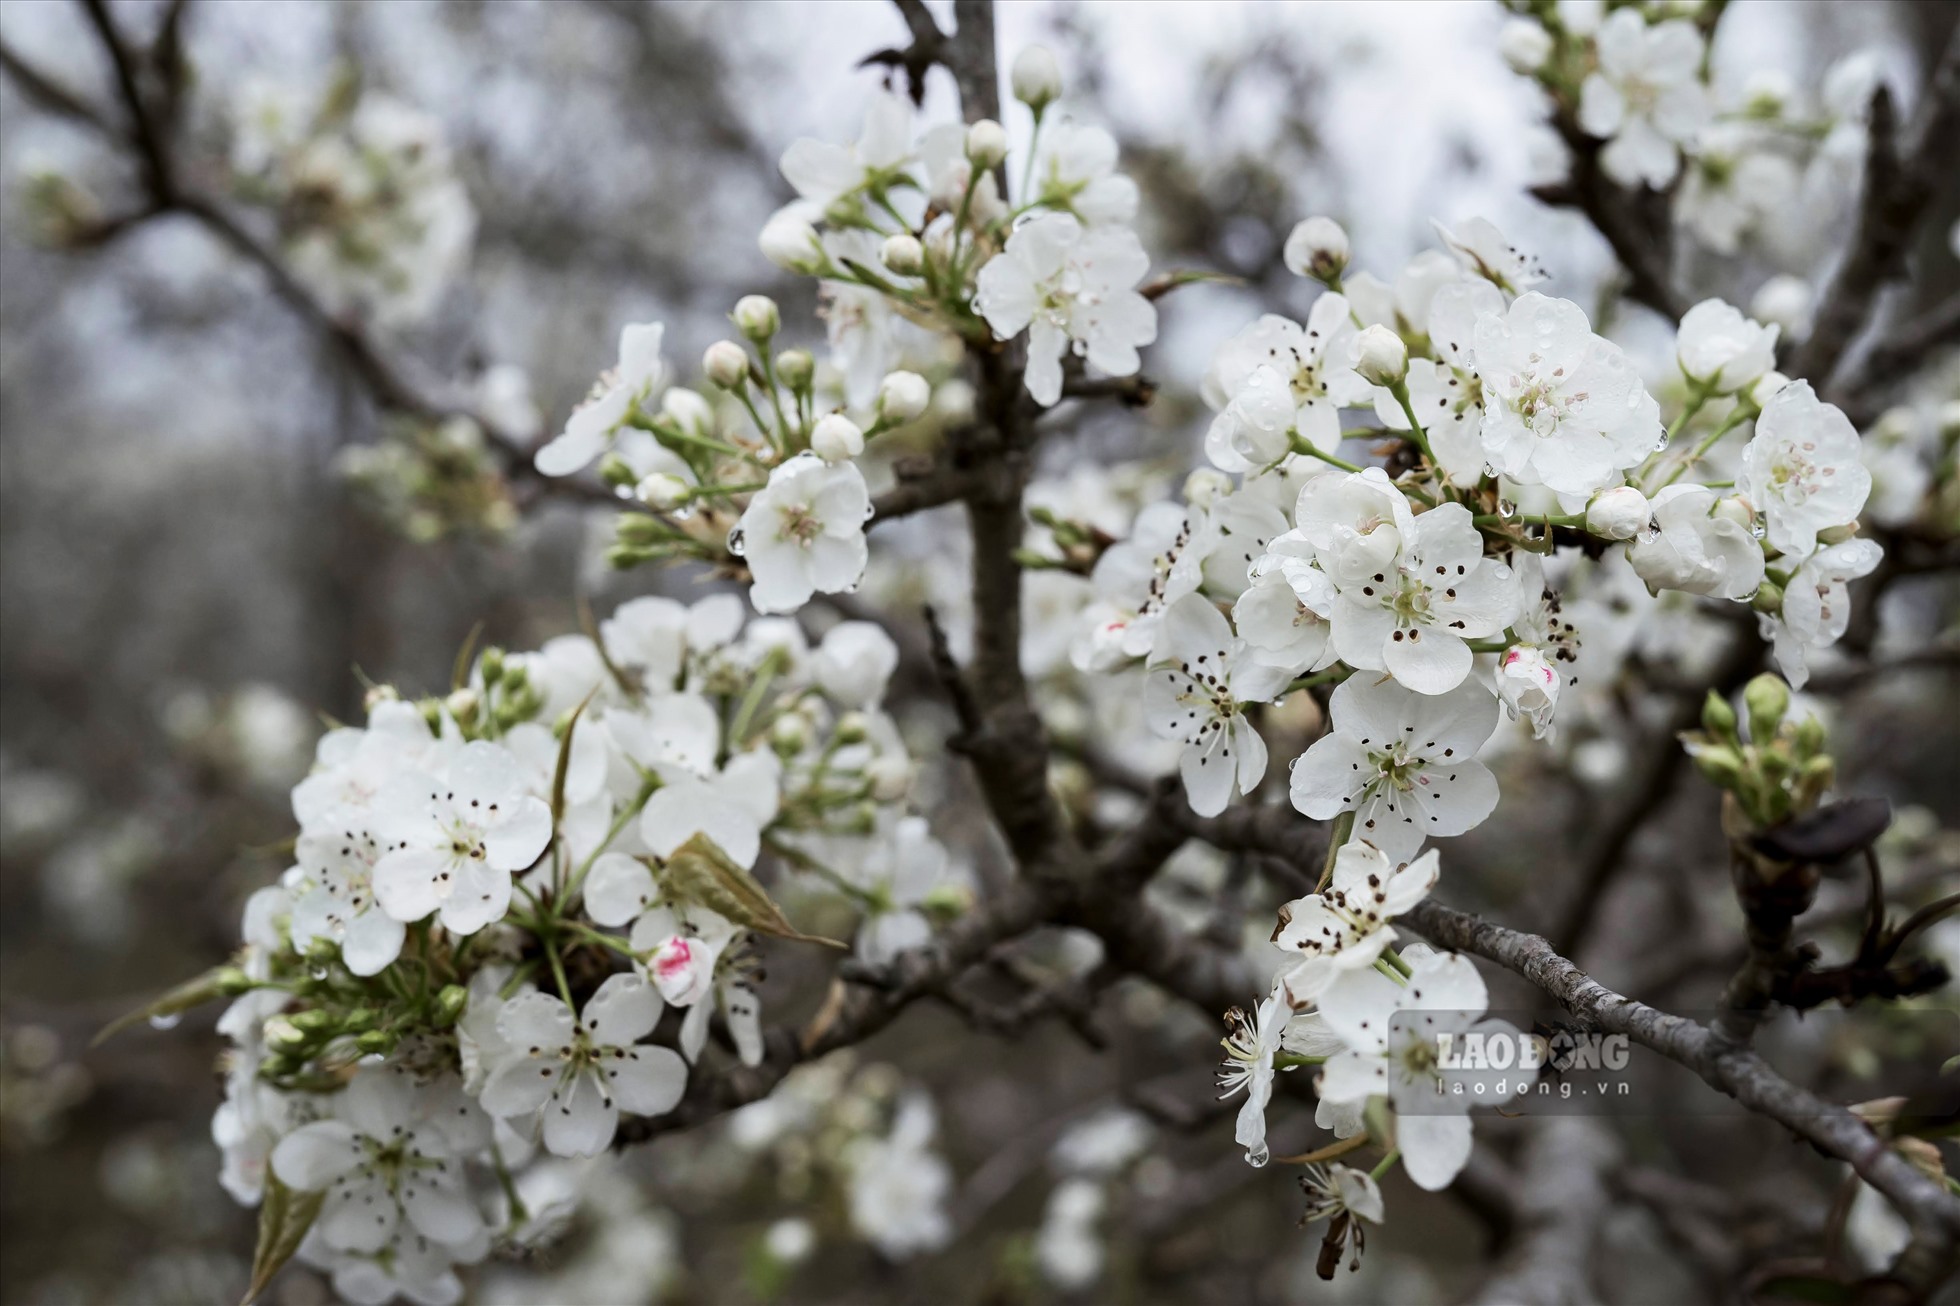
(191, 584)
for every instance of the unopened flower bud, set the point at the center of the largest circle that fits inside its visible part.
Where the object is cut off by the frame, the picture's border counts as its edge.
(1814, 779)
(790, 734)
(797, 368)
(376, 1042)
(616, 472)
(1767, 699)
(689, 410)
(837, 438)
(903, 254)
(1204, 486)
(463, 705)
(1768, 598)
(1382, 357)
(378, 695)
(450, 1003)
(1525, 45)
(727, 364)
(1618, 514)
(662, 491)
(1766, 388)
(891, 778)
(682, 969)
(1037, 77)
(790, 241)
(1737, 509)
(1717, 716)
(1810, 736)
(232, 981)
(986, 143)
(902, 396)
(282, 1032)
(491, 665)
(757, 317)
(852, 728)
(1719, 764)
(1318, 248)
(1783, 300)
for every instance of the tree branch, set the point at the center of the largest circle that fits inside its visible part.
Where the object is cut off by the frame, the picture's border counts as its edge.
(1901, 179)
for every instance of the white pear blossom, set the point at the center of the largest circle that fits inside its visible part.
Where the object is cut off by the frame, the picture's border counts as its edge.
(1063, 283)
(1802, 469)
(824, 173)
(1284, 614)
(899, 1185)
(342, 905)
(803, 533)
(1692, 548)
(453, 841)
(1277, 378)
(1136, 579)
(1405, 764)
(578, 1075)
(1563, 407)
(902, 872)
(1536, 667)
(1251, 1043)
(386, 1157)
(1347, 926)
(1197, 692)
(592, 424)
(1646, 99)
(1736, 184)
(1408, 601)
(1483, 251)
(1722, 351)
(1817, 605)
(855, 662)
(1077, 172)
(1394, 1034)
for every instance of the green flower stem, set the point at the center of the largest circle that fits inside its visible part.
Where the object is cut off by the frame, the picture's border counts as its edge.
(1382, 1167)
(619, 823)
(1337, 837)
(1735, 419)
(775, 394)
(738, 730)
(1400, 390)
(1332, 675)
(1305, 449)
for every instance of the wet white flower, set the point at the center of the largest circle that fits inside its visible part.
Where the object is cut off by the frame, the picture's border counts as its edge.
(592, 424)
(342, 905)
(1197, 692)
(836, 438)
(1721, 350)
(452, 842)
(1802, 469)
(1404, 763)
(578, 1075)
(1482, 249)
(1284, 614)
(1316, 247)
(1409, 600)
(1646, 99)
(383, 1160)
(1563, 407)
(1347, 926)
(1619, 513)
(1817, 605)
(1063, 283)
(1689, 547)
(803, 533)
(1136, 579)
(1251, 1042)
(1276, 379)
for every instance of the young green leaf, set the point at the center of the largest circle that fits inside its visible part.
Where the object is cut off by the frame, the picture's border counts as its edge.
(700, 872)
(284, 1217)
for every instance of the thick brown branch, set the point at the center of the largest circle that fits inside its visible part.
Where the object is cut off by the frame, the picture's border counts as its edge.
(1931, 1212)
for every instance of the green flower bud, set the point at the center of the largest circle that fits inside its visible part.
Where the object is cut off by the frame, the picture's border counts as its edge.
(1814, 780)
(797, 369)
(1769, 598)
(450, 1004)
(360, 1018)
(1717, 717)
(636, 530)
(232, 981)
(492, 665)
(1767, 699)
(1719, 763)
(376, 1041)
(614, 471)
(1810, 737)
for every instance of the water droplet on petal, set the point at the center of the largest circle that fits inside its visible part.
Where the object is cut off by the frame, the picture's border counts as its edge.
(1258, 1156)
(1507, 508)
(736, 541)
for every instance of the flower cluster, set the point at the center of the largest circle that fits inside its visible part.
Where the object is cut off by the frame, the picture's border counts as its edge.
(370, 210)
(497, 893)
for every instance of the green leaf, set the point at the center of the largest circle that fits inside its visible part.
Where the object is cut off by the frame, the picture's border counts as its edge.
(284, 1217)
(700, 872)
(208, 987)
(564, 763)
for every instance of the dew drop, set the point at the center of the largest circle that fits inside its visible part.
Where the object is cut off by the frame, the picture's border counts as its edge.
(1507, 508)
(736, 541)
(169, 1021)
(1258, 1156)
